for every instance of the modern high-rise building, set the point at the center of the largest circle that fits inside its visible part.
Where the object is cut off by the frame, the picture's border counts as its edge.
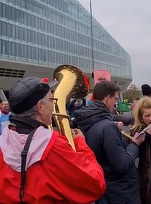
(36, 36)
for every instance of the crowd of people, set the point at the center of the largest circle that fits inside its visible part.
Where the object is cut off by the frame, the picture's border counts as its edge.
(38, 165)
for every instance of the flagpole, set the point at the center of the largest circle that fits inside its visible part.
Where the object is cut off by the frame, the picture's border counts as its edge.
(92, 42)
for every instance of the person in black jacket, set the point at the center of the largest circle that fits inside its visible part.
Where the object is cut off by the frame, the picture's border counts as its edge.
(112, 151)
(142, 119)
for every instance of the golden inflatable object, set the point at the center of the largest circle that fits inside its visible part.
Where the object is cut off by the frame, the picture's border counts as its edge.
(72, 82)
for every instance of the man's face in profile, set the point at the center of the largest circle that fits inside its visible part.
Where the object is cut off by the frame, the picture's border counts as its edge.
(111, 101)
(5, 106)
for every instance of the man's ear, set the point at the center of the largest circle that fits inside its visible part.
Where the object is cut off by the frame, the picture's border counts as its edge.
(105, 100)
(39, 107)
(107, 97)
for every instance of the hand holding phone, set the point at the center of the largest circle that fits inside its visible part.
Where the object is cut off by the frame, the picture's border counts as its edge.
(144, 130)
(138, 138)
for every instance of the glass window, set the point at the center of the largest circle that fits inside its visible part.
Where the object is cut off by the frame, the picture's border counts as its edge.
(52, 28)
(13, 14)
(28, 35)
(22, 17)
(49, 56)
(7, 50)
(33, 21)
(36, 22)
(46, 56)
(25, 54)
(21, 50)
(17, 17)
(43, 25)
(4, 28)
(53, 57)
(3, 46)
(17, 50)
(0, 46)
(40, 24)
(1, 9)
(4, 10)
(42, 55)
(17, 32)
(9, 30)
(22, 33)
(0, 28)
(54, 43)
(29, 52)
(8, 12)
(13, 48)
(32, 36)
(42, 39)
(39, 54)
(36, 37)
(28, 19)
(32, 53)
(36, 53)
(39, 38)
(25, 18)
(46, 40)
(25, 37)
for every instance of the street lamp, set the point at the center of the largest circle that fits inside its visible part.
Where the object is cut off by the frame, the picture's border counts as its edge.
(91, 18)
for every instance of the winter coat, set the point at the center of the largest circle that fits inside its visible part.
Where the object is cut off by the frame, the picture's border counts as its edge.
(55, 172)
(112, 152)
(144, 167)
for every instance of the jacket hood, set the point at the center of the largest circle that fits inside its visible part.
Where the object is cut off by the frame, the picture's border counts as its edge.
(12, 144)
(89, 115)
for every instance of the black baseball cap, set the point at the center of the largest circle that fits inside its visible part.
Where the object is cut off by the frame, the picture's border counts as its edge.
(24, 94)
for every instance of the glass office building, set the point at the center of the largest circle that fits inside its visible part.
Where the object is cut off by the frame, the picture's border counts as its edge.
(55, 32)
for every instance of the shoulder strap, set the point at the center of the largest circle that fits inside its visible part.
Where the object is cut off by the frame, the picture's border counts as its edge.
(23, 163)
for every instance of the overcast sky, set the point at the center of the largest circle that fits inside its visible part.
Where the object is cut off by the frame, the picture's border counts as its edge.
(129, 22)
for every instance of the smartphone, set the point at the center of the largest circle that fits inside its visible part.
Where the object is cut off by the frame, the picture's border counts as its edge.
(144, 130)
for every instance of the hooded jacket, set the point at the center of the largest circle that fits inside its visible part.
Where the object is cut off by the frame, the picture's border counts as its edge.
(112, 152)
(55, 173)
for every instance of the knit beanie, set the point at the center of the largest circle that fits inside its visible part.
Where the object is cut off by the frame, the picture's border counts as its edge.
(146, 90)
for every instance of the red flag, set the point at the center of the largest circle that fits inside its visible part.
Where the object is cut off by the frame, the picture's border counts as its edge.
(101, 75)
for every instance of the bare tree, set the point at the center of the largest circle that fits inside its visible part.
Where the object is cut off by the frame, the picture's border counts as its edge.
(132, 92)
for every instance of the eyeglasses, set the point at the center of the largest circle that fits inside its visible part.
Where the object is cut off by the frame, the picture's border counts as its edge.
(115, 98)
(52, 99)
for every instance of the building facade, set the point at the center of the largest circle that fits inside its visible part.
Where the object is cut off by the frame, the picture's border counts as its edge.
(36, 36)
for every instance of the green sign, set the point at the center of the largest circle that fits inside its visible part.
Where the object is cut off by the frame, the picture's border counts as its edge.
(124, 107)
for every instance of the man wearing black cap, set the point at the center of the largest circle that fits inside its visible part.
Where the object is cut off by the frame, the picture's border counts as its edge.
(37, 165)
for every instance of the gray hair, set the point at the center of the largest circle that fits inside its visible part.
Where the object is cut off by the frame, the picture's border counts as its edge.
(29, 113)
